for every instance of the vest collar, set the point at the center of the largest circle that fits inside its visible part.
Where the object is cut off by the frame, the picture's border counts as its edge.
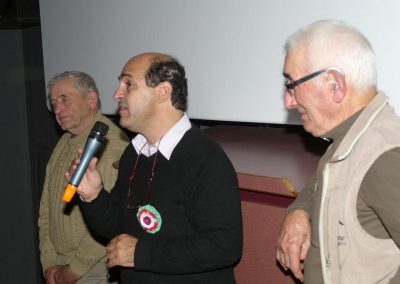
(365, 118)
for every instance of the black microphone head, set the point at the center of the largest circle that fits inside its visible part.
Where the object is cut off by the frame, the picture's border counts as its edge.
(99, 131)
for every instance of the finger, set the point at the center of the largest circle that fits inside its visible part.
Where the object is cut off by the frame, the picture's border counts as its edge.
(299, 275)
(110, 256)
(292, 257)
(80, 152)
(110, 263)
(71, 170)
(281, 259)
(285, 250)
(304, 249)
(109, 249)
(296, 268)
(287, 261)
(113, 258)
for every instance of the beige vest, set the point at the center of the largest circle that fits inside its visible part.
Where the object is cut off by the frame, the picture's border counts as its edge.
(349, 255)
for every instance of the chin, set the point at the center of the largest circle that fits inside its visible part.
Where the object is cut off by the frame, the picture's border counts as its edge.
(310, 130)
(122, 122)
(65, 127)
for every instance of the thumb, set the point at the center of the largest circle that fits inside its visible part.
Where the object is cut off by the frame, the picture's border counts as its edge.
(93, 163)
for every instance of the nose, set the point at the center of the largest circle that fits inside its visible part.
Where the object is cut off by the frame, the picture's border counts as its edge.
(57, 108)
(118, 93)
(289, 100)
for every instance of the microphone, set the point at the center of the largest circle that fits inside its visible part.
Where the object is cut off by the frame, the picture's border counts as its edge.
(95, 139)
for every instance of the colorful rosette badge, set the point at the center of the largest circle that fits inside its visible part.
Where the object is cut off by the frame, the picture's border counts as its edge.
(149, 219)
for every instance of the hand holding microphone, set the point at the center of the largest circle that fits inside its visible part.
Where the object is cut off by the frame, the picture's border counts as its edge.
(96, 137)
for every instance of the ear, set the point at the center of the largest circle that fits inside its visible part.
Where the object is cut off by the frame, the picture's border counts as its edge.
(164, 92)
(337, 85)
(92, 99)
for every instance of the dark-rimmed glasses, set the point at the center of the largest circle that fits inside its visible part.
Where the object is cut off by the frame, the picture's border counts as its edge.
(294, 84)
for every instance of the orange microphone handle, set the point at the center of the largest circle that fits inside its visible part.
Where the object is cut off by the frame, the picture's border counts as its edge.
(69, 192)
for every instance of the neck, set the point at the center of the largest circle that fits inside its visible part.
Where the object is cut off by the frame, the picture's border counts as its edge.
(358, 101)
(355, 102)
(161, 126)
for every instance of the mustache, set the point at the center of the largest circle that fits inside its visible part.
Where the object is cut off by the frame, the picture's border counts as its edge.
(122, 104)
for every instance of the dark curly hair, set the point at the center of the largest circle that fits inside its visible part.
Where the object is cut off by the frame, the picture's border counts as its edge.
(173, 72)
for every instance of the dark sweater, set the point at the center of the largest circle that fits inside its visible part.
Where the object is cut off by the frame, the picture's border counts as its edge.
(197, 195)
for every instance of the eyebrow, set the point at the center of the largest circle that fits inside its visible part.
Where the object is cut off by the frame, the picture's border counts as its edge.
(122, 75)
(56, 98)
(287, 76)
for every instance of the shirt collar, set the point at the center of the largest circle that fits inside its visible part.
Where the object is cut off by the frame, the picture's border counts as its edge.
(340, 131)
(167, 143)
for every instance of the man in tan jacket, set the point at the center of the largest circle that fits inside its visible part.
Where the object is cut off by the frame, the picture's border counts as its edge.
(345, 223)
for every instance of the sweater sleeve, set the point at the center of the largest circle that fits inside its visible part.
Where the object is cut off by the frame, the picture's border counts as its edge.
(213, 210)
(380, 192)
(304, 200)
(87, 255)
(48, 255)
(103, 214)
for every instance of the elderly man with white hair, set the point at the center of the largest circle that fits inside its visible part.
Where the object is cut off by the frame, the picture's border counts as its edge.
(345, 225)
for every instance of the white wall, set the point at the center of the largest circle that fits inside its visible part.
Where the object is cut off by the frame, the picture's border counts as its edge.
(232, 50)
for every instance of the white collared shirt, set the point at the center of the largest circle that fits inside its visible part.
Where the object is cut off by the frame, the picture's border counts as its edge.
(167, 143)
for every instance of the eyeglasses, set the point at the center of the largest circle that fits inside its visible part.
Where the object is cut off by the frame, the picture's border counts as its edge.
(294, 84)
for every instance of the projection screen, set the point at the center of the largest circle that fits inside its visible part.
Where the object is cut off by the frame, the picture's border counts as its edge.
(232, 50)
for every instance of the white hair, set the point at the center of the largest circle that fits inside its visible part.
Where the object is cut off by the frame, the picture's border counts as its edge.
(82, 81)
(332, 43)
